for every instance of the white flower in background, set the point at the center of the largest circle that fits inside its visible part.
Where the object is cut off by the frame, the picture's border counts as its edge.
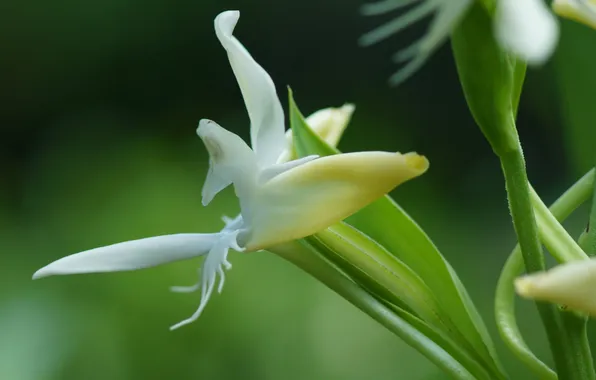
(279, 201)
(525, 28)
(571, 284)
(583, 11)
(447, 13)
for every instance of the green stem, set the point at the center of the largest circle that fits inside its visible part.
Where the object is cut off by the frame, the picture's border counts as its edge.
(588, 238)
(303, 257)
(524, 222)
(577, 342)
(553, 235)
(575, 196)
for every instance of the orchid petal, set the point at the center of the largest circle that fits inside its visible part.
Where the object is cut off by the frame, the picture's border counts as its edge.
(571, 284)
(447, 14)
(230, 160)
(215, 260)
(329, 124)
(527, 29)
(258, 90)
(132, 255)
(311, 197)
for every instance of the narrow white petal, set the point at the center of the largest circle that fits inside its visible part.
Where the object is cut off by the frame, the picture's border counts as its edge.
(131, 255)
(447, 15)
(235, 223)
(527, 29)
(571, 284)
(215, 260)
(263, 106)
(230, 161)
(188, 289)
(311, 197)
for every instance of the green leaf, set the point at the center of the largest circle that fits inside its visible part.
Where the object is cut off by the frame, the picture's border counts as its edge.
(305, 139)
(388, 278)
(400, 235)
(491, 79)
(576, 91)
(306, 257)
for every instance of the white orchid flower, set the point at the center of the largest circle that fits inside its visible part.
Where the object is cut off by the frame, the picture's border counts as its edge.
(571, 284)
(279, 201)
(523, 27)
(583, 11)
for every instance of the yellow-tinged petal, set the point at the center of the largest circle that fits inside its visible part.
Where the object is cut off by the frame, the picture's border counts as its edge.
(581, 11)
(328, 123)
(571, 284)
(313, 196)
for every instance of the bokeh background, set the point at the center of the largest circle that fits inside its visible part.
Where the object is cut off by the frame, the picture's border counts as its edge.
(99, 101)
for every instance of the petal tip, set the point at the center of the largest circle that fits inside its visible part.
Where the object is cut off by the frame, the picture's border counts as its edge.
(41, 273)
(524, 286)
(226, 21)
(417, 162)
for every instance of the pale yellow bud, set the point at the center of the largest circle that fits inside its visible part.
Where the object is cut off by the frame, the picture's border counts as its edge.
(571, 284)
(328, 123)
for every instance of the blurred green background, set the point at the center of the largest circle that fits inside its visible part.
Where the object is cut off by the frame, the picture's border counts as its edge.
(99, 103)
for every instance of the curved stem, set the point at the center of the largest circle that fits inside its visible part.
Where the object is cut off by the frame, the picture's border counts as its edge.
(505, 293)
(303, 257)
(505, 317)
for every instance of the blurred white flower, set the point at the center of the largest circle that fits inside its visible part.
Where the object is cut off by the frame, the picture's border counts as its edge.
(526, 28)
(447, 14)
(280, 201)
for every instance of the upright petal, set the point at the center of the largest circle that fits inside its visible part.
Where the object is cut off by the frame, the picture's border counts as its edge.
(329, 124)
(527, 29)
(571, 284)
(230, 161)
(263, 106)
(312, 196)
(131, 255)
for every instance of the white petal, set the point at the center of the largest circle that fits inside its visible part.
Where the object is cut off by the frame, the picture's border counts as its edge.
(447, 15)
(527, 29)
(131, 255)
(230, 160)
(263, 106)
(571, 284)
(215, 262)
(311, 197)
